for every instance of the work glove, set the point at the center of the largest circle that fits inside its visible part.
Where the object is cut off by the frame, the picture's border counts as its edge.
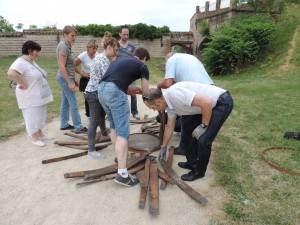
(199, 130)
(162, 153)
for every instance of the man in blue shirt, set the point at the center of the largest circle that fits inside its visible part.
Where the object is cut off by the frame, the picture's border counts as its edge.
(183, 67)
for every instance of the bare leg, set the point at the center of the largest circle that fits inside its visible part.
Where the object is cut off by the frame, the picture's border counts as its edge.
(35, 136)
(121, 150)
(113, 138)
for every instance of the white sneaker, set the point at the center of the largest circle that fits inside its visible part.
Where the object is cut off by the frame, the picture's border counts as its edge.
(98, 155)
(39, 143)
(47, 138)
(137, 116)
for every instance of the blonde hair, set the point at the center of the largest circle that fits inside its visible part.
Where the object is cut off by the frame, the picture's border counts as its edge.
(108, 40)
(91, 44)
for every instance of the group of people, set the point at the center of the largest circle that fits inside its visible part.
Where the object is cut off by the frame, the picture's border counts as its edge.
(107, 78)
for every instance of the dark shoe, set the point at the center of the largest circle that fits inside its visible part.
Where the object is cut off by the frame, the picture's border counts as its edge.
(83, 130)
(193, 175)
(128, 181)
(178, 151)
(69, 127)
(185, 165)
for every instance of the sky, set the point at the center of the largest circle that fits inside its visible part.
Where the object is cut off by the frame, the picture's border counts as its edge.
(175, 14)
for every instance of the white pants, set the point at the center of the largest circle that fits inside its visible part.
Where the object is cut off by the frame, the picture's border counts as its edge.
(35, 118)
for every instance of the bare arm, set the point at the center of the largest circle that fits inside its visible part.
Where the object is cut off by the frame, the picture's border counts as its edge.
(62, 68)
(166, 83)
(168, 131)
(206, 107)
(77, 70)
(16, 76)
(144, 84)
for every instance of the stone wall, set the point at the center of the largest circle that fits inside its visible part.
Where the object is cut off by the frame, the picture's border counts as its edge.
(11, 43)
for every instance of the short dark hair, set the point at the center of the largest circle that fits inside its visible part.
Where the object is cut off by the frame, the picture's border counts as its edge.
(142, 53)
(151, 95)
(30, 46)
(123, 27)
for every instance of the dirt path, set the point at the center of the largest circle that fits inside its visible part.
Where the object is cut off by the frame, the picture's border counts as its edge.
(36, 193)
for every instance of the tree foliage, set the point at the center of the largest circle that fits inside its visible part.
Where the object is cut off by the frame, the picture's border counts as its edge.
(140, 31)
(5, 26)
(238, 44)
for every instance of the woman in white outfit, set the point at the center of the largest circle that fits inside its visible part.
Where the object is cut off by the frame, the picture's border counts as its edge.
(32, 91)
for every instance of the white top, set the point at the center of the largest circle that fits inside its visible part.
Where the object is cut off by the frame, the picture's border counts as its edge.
(38, 92)
(186, 67)
(101, 64)
(86, 62)
(179, 97)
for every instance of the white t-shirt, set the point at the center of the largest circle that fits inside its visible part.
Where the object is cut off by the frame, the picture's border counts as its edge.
(86, 62)
(179, 97)
(38, 92)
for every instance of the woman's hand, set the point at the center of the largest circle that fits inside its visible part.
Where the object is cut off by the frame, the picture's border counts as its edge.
(71, 87)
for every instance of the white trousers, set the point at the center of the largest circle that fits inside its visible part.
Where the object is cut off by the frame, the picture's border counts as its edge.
(35, 118)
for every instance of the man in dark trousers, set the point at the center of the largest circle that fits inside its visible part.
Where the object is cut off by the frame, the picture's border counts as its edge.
(208, 107)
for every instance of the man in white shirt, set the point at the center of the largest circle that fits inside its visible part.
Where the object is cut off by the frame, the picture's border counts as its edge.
(206, 105)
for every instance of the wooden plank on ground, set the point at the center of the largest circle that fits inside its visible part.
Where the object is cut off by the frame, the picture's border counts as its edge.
(144, 190)
(164, 183)
(133, 170)
(153, 189)
(182, 185)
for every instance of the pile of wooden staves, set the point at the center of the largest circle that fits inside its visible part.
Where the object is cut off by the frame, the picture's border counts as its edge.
(144, 166)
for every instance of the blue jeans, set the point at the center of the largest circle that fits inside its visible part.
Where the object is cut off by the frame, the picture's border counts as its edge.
(97, 118)
(198, 151)
(115, 104)
(68, 103)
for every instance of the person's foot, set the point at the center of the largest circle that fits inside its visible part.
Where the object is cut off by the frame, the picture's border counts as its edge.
(178, 151)
(96, 155)
(128, 181)
(191, 176)
(104, 138)
(47, 138)
(136, 116)
(69, 127)
(185, 165)
(39, 143)
(83, 130)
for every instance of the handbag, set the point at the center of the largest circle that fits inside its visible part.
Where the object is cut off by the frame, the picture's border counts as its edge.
(83, 83)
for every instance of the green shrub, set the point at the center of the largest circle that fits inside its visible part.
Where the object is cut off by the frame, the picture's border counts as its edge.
(140, 31)
(238, 44)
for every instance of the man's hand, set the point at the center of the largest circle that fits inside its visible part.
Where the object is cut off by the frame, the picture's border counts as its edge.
(162, 153)
(199, 130)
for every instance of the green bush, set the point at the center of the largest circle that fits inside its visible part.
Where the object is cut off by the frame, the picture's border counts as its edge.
(239, 44)
(140, 31)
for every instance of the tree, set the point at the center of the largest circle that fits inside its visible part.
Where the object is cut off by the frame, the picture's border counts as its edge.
(19, 26)
(5, 26)
(33, 27)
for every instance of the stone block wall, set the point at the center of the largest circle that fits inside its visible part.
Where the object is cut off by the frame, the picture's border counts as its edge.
(11, 43)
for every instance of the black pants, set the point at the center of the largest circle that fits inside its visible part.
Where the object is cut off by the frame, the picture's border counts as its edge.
(198, 151)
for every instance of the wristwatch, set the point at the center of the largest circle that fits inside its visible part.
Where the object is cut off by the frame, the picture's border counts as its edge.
(203, 125)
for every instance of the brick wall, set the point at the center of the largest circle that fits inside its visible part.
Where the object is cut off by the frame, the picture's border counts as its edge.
(11, 43)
